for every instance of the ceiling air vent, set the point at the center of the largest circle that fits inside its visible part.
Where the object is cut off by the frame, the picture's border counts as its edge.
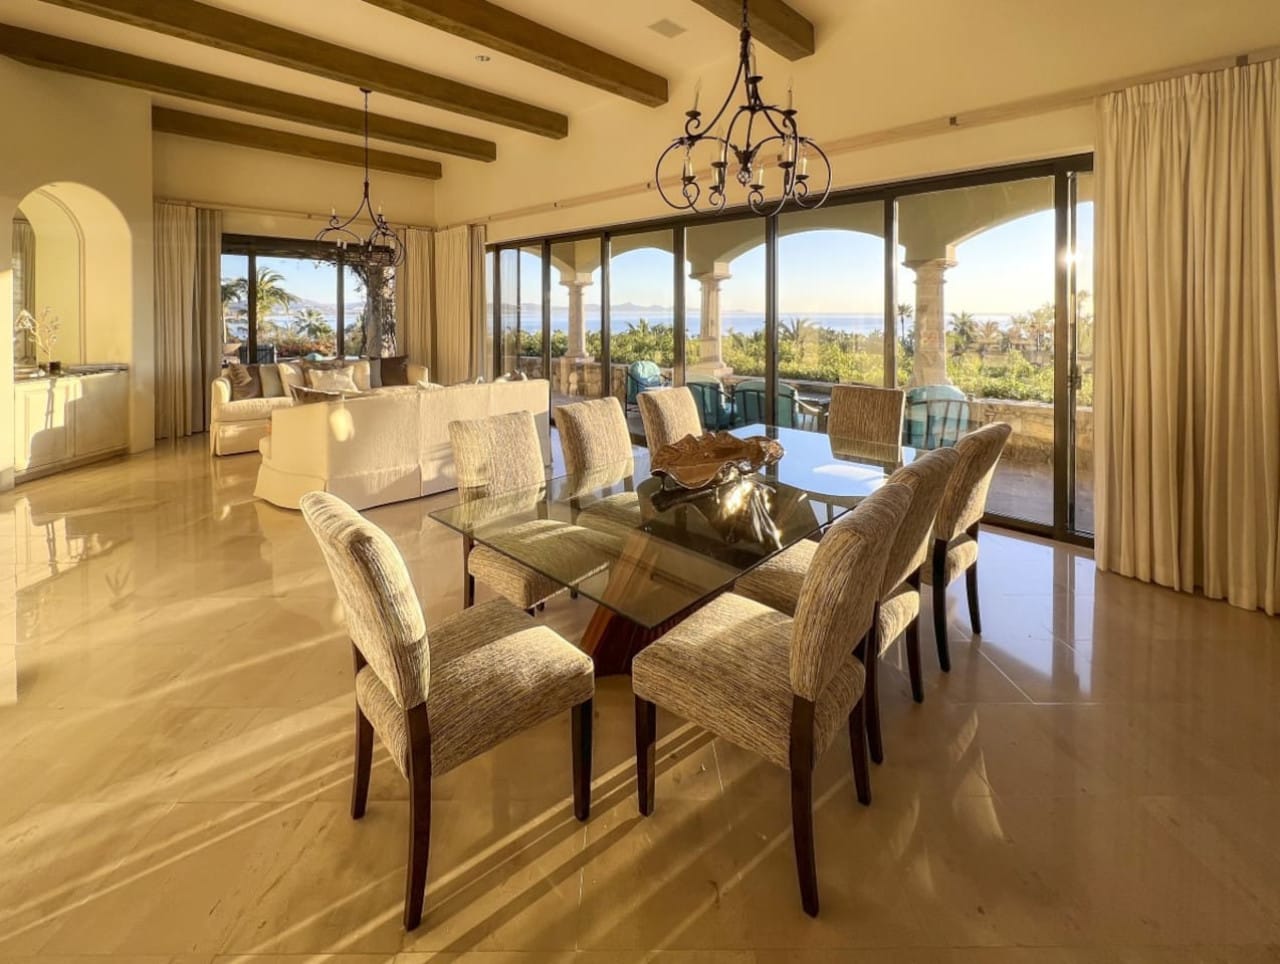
(668, 28)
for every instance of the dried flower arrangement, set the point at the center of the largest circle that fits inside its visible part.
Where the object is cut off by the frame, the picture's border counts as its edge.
(43, 330)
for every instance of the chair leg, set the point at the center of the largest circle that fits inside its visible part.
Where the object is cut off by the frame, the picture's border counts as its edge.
(971, 586)
(872, 694)
(911, 642)
(364, 763)
(468, 580)
(940, 604)
(858, 747)
(646, 757)
(582, 721)
(542, 606)
(802, 802)
(415, 889)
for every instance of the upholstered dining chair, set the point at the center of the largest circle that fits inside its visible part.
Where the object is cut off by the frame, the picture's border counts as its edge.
(955, 534)
(778, 582)
(867, 413)
(598, 454)
(669, 414)
(779, 686)
(437, 699)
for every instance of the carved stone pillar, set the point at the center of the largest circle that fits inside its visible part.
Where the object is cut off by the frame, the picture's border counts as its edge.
(710, 359)
(929, 366)
(577, 350)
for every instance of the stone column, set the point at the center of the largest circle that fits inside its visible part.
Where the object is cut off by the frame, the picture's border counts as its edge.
(710, 360)
(929, 366)
(577, 328)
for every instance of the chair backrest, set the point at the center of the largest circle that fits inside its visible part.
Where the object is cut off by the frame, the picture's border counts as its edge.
(496, 454)
(966, 497)
(669, 414)
(710, 398)
(645, 369)
(749, 403)
(866, 412)
(927, 478)
(936, 416)
(592, 434)
(840, 590)
(384, 616)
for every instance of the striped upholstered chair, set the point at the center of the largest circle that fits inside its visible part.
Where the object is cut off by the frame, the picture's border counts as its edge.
(669, 414)
(777, 583)
(866, 413)
(955, 534)
(597, 455)
(483, 676)
(779, 686)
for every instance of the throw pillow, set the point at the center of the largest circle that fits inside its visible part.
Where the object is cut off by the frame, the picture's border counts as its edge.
(359, 369)
(245, 382)
(291, 375)
(375, 372)
(307, 396)
(395, 370)
(272, 386)
(331, 380)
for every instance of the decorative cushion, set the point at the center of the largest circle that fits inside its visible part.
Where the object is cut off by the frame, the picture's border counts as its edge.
(307, 396)
(291, 375)
(375, 372)
(360, 374)
(245, 382)
(395, 370)
(331, 380)
(272, 385)
(494, 673)
(726, 668)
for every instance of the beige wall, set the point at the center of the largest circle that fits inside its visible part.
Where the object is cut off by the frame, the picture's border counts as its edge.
(257, 187)
(70, 131)
(878, 66)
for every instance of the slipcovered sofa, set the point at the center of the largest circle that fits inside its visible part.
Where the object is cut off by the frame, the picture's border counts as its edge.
(384, 448)
(238, 426)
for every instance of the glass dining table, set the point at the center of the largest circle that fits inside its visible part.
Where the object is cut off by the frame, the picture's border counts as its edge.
(649, 554)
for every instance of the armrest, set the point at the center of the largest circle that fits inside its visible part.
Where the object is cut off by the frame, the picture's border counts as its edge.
(220, 392)
(416, 373)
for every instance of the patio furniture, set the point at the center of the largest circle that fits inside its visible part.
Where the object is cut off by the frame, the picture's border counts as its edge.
(714, 405)
(778, 582)
(955, 534)
(777, 686)
(790, 411)
(936, 416)
(441, 697)
(669, 415)
(866, 412)
(642, 376)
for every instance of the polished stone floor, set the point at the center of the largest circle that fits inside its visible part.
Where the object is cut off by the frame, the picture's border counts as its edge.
(1097, 780)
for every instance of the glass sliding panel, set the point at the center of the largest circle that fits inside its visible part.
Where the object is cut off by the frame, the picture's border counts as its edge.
(831, 324)
(235, 307)
(725, 308)
(296, 306)
(1082, 362)
(486, 361)
(575, 320)
(641, 315)
(529, 318)
(980, 280)
(509, 307)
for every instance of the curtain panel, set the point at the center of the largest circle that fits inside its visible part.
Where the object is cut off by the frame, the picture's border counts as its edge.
(1187, 394)
(415, 299)
(188, 316)
(460, 315)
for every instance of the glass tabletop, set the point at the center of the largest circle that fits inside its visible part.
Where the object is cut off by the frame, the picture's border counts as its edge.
(623, 539)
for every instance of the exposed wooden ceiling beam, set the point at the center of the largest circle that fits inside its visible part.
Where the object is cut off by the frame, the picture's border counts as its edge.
(225, 30)
(207, 128)
(491, 26)
(68, 56)
(773, 23)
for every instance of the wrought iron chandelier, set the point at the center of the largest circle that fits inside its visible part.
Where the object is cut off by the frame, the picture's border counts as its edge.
(382, 248)
(779, 140)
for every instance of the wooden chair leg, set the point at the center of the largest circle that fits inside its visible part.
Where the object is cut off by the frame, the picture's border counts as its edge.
(646, 739)
(911, 642)
(858, 747)
(802, 802)
(364, 749)
(468, 580)
(415, 889)
(871, 696)
(940, 604)
(582, 722)
(971, 586)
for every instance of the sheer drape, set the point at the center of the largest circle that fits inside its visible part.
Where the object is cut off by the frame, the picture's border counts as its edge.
(415, 308)
(1188, 360)
(188, 316)
(459, 283)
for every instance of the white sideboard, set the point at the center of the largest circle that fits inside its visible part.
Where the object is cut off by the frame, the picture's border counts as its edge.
(69, 420)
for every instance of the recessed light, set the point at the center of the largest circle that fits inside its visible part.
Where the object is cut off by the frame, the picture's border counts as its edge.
(483, 58)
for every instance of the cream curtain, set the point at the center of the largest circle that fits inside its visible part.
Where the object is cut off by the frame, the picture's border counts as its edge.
(188, 316)
(459, 284)
(1187, 395)
(415, 301)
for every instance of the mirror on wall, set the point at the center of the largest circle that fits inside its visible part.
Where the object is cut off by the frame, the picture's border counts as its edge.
(24, 288)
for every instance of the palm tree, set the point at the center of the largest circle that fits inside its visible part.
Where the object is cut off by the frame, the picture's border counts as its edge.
(799, 330)
(233, 290)
(272, 297)
(311, 324)
(989, 336)
(965, 328)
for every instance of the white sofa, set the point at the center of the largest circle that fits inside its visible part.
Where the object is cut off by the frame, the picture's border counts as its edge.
(384, 448)
(236, 427)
